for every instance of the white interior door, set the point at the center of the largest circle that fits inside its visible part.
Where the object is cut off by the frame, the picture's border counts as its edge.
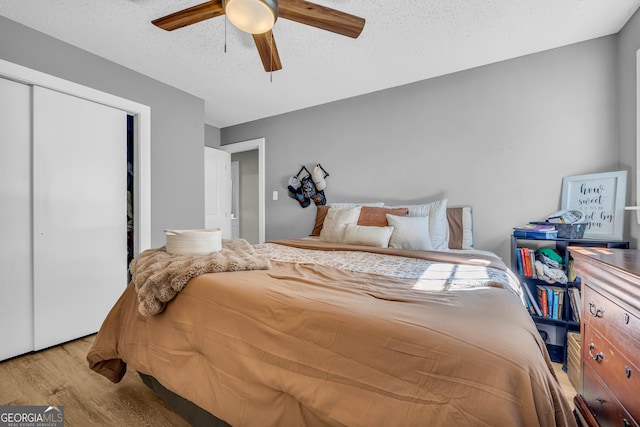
(217, 190)
(79, 202)
(16, 292)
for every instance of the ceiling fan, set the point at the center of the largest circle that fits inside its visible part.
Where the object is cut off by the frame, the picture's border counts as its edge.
(258, 16)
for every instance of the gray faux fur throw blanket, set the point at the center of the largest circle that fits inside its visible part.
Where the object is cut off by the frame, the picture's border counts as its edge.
(159, 276)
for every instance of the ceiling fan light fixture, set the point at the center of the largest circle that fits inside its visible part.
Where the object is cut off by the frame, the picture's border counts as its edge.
(252, 16)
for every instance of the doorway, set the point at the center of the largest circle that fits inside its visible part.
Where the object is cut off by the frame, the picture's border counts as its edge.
(130, 192)
(255, 207)
(245, 190)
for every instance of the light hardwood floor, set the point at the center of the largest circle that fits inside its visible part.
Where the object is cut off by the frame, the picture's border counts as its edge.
(567, 387)
(60, 376)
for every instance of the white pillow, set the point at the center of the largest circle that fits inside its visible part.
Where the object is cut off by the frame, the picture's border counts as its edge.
(336, 221)
(410, 232)
(438, 224)
(367, 235)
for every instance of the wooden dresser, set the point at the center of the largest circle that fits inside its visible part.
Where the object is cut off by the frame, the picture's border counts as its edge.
(610, 336)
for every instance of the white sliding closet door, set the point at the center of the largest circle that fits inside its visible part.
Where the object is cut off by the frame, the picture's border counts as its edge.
(16, 292)
(79, 229)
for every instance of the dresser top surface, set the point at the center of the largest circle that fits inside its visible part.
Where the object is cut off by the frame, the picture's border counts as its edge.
(627, 260)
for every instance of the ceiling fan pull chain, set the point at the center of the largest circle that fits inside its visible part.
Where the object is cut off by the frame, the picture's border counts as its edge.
(225, 33)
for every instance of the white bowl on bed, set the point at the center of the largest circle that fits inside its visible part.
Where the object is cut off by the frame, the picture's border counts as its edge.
(193, 242)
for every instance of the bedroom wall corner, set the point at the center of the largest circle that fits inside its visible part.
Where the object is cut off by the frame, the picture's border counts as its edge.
(628, 45)
(211, 136)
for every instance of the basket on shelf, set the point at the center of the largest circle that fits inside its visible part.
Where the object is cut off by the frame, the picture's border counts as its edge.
(568, 231)
(571, 231)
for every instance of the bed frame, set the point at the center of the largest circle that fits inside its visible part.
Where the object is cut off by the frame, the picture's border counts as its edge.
(192, 413)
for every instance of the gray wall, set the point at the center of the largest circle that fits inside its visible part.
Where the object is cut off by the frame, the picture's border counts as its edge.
(498, 137)
(177, 131)
(629, 43)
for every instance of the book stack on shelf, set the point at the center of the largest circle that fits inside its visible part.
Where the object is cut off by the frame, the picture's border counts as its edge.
(549, 302)
(527, 262)
(576, 303)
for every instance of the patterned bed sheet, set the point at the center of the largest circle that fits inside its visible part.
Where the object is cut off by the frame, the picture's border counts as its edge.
(429, 275)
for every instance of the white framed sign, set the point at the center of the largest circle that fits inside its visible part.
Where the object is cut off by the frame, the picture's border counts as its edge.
(601, 198)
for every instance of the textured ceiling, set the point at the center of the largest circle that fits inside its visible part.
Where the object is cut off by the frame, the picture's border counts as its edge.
(402, 42)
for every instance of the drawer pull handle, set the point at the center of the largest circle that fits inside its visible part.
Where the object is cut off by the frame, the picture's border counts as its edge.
(593, 311)
(626, 318)
(598, 356)
(600, 400)
(626, 423)
(627, 371)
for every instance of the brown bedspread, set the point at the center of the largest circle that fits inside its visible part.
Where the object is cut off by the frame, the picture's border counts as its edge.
(312, 345)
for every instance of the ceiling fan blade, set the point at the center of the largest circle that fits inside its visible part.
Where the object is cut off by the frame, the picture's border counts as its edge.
(321, 17)
(189, 16)
(268, 51)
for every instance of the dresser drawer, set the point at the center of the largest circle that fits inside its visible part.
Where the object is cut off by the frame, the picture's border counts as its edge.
(612, 321)
(606, 409)
(613, 368)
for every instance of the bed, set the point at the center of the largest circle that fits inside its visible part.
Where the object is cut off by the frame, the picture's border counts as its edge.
(326, 331)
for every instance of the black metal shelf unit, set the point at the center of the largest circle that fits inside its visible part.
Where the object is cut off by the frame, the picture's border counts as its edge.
(554, 331)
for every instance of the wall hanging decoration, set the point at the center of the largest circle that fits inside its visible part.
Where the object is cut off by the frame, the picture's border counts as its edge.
(318, 175)
(601, 197)
(306, 186)
(295, 188)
